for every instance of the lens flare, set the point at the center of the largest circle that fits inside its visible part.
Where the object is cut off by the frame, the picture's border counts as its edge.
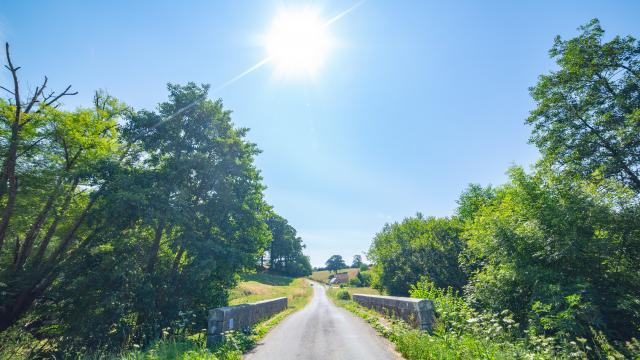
(298, 42)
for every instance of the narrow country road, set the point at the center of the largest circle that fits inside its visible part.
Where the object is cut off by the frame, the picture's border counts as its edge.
(323, 331)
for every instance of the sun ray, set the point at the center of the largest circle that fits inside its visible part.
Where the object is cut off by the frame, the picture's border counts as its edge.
(343, 13)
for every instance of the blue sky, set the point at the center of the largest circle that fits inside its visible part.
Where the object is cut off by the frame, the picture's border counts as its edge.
(416, 100)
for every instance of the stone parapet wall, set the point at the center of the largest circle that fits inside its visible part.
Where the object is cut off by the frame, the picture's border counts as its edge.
(419, 313)
(240, 317)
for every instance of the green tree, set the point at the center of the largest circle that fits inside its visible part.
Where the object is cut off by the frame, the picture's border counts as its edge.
(49, 187)
(123, 223)
(286, 249)
(562, 255)
(335, 263)
(403, 252)
(587, 117)
(201, 215)
(472, 200)
(357, 261)
(365, 278)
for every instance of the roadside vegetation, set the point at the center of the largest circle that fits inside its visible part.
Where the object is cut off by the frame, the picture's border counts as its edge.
(548, 264)
(441, 344)
(252, 288)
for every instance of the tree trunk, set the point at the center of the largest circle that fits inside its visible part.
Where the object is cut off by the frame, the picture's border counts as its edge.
(54, 224)
(155, 247)
(34, 230)
(8, 211)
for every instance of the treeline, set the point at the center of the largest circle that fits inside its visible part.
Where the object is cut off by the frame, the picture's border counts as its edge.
(337, 262)
(284, 253)
(118, 226)
(555, 249)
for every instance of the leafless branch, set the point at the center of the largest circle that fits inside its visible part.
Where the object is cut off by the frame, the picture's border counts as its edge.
(14, 74)
(36, 94)
(7, 90)
(64, 93)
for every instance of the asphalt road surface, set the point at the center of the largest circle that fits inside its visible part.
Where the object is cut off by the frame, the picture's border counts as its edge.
(323, 331)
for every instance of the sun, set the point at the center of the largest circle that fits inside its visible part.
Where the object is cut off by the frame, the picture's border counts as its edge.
(298, 42)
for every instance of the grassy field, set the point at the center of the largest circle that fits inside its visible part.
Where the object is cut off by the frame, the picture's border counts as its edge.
(323, 276)
(257, 287)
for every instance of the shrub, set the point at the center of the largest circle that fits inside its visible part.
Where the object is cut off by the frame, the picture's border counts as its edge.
(343, 295)
(365, 278)
(355, 282)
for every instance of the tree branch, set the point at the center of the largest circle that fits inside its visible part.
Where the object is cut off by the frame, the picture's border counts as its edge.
(14, 75)
(57, 97)
(34, 98)
(7, 90)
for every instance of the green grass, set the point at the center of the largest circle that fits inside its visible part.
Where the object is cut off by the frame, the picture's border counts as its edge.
(174, 349)
(323, 276)
(258, 287)
(362, 290)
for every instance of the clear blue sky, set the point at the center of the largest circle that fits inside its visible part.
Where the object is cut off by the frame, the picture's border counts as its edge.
(418, 99)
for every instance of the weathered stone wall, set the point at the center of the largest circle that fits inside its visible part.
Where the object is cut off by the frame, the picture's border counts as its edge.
(418, 313)
(240, 317)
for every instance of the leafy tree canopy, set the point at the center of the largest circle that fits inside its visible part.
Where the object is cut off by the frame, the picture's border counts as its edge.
(335, 263)
(357, 261)
(587, 115)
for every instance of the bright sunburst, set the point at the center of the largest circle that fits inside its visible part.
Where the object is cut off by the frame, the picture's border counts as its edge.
(298, 42)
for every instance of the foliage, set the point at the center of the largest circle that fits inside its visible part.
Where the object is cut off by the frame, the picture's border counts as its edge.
(560, 255)
(455, 317)
(175, 199)
(335, 263)
(285, 250)
(354, 282)
(587, 117)
(364, 278)
(194, 348)
(402, 252)
(118, 226)
(55, 186)
(552, 257)
(343, 295)
(357, 261)
(417, 344)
